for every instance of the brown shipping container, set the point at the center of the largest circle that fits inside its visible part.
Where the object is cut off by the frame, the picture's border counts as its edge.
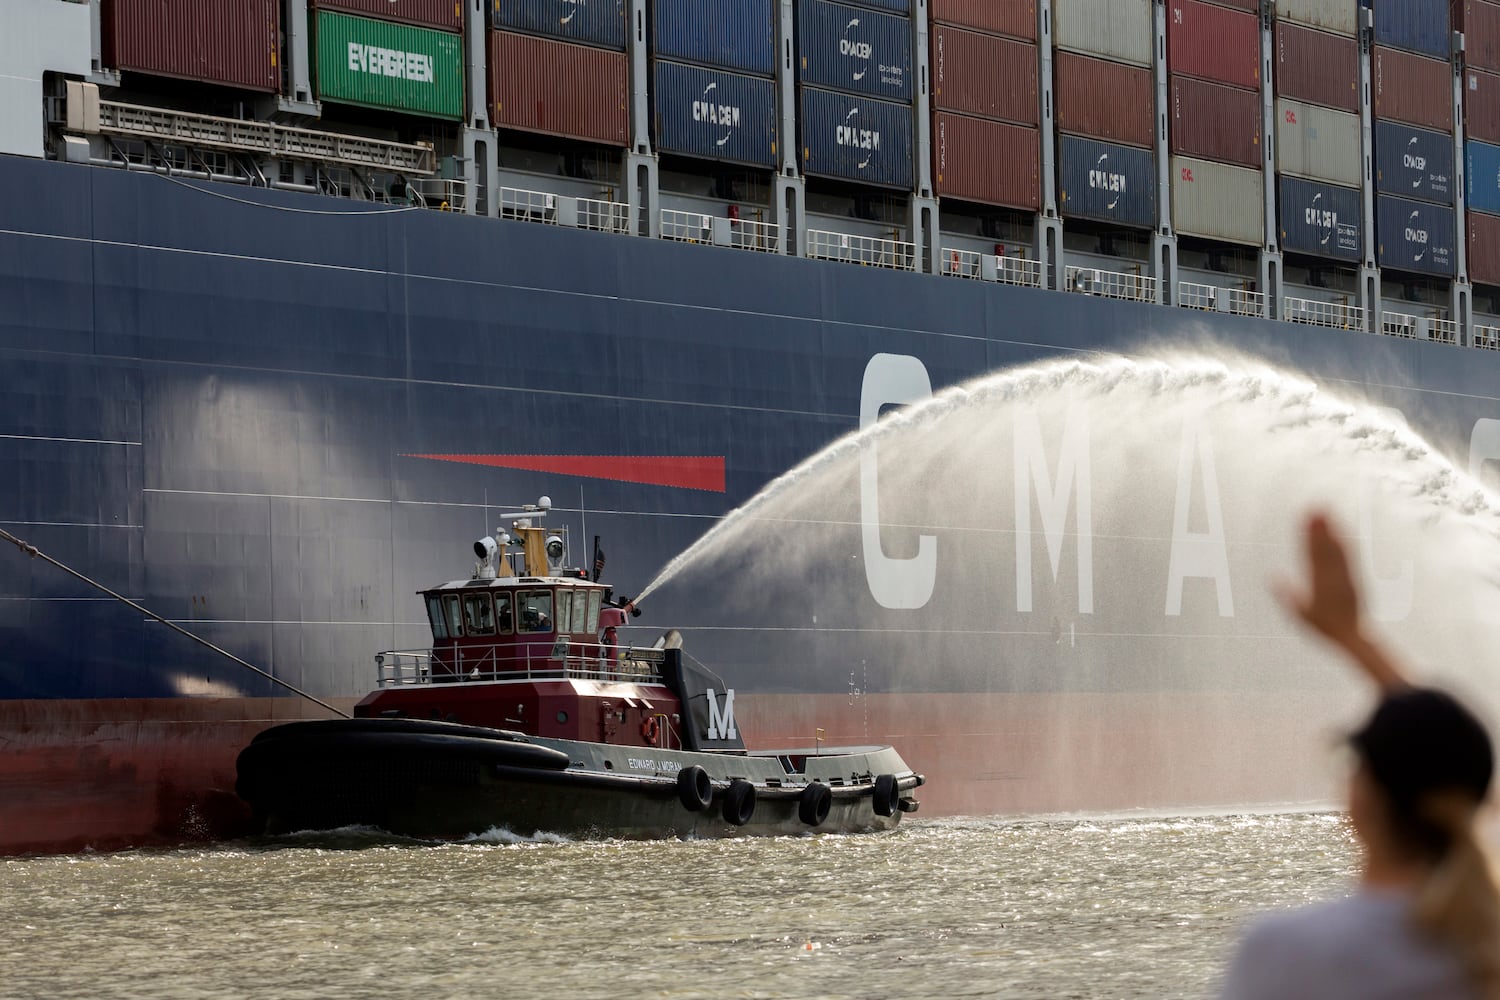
(990, 163)
(235, 44)
(1016, 18)
(444, 15)
(1253, 6)
(1104, 100)
(1479, 20)
(558, 88)
(1214, 122)
(1317, 67)
(1482, 106)
(1213, 43)
(984, 75)
(1412, 89)
(1484, 248)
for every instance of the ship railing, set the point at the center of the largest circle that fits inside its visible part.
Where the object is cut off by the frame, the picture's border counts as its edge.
(1018, 271)
(751, 234)
(1403, 325)
(1486, 338)
(1443, 331)
(603, 216)
(528, 206)
(1315, 312)
(89, 115)
(490, 664)
(871, 251)
(1112, 284)
(687, 227)
(1216, 298)
(963, 263)
(720, 231)
(444, 194)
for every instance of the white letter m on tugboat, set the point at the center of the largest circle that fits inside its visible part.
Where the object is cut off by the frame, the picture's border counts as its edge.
(721, 724)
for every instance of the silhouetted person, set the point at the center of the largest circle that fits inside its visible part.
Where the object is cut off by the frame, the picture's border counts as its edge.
(1425, 919)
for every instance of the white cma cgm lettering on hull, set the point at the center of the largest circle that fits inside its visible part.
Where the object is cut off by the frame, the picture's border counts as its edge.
(908, 584)
(376, 61)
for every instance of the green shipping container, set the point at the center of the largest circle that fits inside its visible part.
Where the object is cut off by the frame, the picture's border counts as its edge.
(400, 67)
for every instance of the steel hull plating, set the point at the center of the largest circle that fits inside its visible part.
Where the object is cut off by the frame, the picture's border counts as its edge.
(226, 404)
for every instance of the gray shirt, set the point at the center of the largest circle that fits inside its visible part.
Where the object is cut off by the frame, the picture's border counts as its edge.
(1363, 947)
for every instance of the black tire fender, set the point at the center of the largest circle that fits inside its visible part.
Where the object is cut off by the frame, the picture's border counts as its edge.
(887, 795)
(814, 803)
(694, 789)
(739, 802)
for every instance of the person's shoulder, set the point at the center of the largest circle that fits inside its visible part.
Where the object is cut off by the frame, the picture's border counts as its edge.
(1293, 952)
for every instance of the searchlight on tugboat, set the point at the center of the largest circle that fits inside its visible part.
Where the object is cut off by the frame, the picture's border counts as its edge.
(526, 714)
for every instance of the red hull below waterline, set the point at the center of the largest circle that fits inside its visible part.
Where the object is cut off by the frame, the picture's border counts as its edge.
(114, 774)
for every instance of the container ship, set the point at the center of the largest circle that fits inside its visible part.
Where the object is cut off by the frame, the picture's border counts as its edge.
(295, 293)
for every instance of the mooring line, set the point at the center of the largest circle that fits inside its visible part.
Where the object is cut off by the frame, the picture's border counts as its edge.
(36, 553)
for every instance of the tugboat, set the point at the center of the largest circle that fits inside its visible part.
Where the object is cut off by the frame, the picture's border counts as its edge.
(527, 715)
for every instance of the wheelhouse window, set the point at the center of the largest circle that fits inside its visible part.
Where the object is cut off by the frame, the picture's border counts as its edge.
(534, 609)
(502, 612)
(594, 598)
(564, 611)
(479, 614)
(435, 617)
(453, 616)
(581, 612)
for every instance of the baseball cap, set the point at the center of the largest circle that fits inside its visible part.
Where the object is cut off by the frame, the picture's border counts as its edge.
(1420, 740)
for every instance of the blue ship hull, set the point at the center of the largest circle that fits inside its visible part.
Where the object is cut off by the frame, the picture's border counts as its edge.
(218, 401)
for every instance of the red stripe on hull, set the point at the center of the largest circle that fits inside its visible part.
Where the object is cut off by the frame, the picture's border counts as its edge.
(693, 472)
(131, 773)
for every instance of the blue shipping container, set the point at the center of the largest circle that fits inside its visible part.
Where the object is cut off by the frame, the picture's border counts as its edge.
(1413, 162)
(856, 138)
(1106, 182)
(899, 6)
(1320, 219)
(1414, 25)
(1415, 235)
(715, 114)
(849, 48)
(1484, 177)
(735, 34)
(594, 22)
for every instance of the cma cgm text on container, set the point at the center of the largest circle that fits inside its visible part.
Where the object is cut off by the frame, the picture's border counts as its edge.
(854, 49)
(395, 67)
(728, 34)
(1321, 220)
(714, 114)
(1415, 236)
(1106, 182)
(1414, 163)
(854, 138)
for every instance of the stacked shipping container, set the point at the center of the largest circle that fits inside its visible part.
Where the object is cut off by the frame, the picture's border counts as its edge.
(713, 91)
(1480, 22)
(385, 64)
(1412, 83)
(560, 69)
(1214, 79)
(230, 44)
(1318, 131)
(855, 91)
(984, 69)
(1105, 100)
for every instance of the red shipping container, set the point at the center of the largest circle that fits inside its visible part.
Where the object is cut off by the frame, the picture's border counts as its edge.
(1484, 248)
(1104, 100)
(990, 163)
(984, 75)
(1016, 18)
(1215, 122)
(1213, 43)
(1479, 20)
(1253, 6)
(444, 15)
(558, 88)
(1482, 106)
(1412, 89)
(234, 44)
(1317, 67)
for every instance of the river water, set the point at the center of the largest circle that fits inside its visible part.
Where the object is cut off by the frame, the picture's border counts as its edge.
(1075, 907)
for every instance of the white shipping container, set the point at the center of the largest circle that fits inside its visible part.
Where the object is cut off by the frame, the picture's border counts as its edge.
(1317, 143)
(1120, 30)
(1218, 202)
(1338, 16)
